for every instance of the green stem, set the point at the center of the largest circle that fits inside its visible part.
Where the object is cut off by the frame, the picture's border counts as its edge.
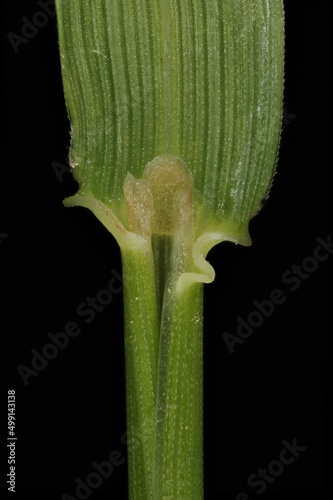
(178, 461)
(164, 384)
(141, 347)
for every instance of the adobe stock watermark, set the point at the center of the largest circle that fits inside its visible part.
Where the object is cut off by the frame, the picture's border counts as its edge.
(292, 279)
(30, 26)
(3, 236)
(262, 477)
(86, 311)
(60, 169)
(100, 471)
(287, 117)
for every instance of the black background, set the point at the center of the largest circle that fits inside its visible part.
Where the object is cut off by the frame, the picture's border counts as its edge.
(272, 388)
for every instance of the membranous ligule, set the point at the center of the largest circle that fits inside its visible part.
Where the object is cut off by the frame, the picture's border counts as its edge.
(161, 202)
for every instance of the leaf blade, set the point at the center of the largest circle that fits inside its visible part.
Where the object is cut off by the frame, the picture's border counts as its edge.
(200, 80)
